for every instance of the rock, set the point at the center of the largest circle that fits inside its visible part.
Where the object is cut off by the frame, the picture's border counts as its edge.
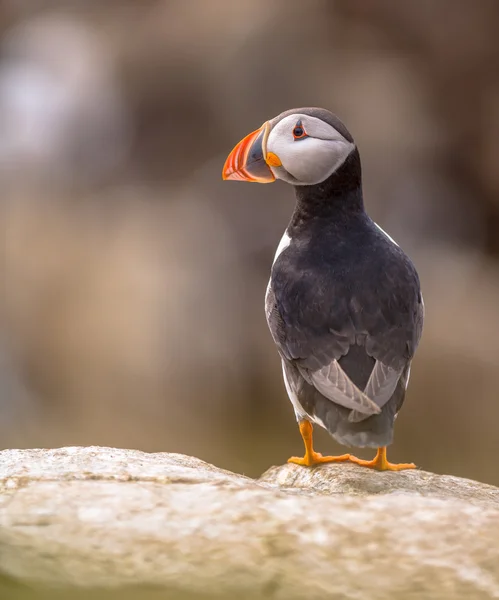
(346, 479)
(101, 518)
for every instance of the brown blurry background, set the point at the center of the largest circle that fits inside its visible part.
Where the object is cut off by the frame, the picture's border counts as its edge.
(134, 277)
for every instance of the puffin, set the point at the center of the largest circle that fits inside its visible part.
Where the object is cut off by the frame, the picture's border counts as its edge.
(343, 303)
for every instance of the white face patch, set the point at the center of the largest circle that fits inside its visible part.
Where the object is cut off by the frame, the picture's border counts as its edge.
(311, 159)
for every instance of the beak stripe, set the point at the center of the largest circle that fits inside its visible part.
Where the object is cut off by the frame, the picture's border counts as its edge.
(246, 161)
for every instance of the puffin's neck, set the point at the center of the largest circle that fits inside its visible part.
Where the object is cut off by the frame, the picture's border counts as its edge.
(336, 199)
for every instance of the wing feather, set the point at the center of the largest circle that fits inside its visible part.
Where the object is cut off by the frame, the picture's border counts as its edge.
(379, 388)
(333, 383)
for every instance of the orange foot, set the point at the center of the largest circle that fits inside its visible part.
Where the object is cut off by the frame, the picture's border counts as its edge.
(315, 458)
(380, 463)
(311, 457)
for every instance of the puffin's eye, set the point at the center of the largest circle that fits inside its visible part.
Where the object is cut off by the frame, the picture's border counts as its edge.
(298, 131)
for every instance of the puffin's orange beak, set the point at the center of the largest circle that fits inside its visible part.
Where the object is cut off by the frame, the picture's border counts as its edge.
(247, 161)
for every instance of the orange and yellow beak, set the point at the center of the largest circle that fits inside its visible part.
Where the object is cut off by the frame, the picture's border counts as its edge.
(248, 160)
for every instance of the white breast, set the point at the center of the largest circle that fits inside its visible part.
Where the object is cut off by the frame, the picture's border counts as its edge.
(283, 244)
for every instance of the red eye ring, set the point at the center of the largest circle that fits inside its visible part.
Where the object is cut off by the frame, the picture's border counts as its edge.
(299, 131)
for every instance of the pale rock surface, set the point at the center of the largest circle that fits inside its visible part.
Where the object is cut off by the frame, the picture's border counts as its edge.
(176, 527)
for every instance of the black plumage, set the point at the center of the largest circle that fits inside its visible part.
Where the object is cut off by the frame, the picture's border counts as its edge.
(343, 293)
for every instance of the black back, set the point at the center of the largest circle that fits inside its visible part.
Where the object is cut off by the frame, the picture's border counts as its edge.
(342, 283)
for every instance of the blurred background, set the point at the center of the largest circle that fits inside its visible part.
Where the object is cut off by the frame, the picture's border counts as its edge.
(134, 277)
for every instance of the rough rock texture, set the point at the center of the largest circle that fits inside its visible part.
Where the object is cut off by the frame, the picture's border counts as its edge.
(104, 518)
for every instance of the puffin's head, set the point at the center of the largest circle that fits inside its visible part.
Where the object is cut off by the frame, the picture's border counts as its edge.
(303, 146)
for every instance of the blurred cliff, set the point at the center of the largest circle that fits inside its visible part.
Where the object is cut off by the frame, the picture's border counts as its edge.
(132, 312)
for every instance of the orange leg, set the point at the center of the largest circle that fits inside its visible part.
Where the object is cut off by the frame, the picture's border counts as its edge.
(380, 463)
(311, 457)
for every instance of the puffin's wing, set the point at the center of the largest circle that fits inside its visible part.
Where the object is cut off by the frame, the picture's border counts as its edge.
(315, 352)
(390, 366)
(332, 381)
(380, 387)
(316, 324)
(382, 383)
